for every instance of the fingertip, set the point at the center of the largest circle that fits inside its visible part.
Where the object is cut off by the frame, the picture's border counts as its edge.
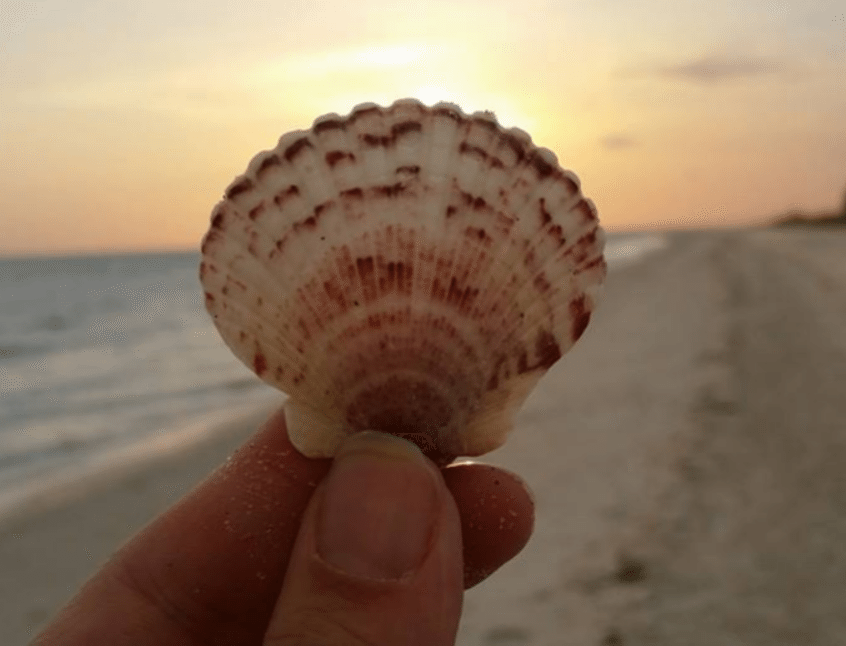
(497, 516)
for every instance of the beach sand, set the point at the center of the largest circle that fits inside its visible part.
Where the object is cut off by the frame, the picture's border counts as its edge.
(687, 458)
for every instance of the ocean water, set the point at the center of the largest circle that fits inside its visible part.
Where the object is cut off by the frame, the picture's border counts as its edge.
(105, 360)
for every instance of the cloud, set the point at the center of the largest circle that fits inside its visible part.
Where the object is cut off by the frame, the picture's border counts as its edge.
(721, 68)
(618, 141)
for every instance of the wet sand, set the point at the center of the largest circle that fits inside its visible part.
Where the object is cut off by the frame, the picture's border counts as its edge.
(688, 458)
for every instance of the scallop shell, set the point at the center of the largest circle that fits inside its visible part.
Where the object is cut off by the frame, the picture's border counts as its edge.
(408, 269)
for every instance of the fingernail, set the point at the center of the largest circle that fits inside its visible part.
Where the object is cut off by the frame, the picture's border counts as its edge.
(378, 509)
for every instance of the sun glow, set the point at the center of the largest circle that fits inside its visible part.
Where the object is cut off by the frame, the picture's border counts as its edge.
(390, 56)
(507, 112)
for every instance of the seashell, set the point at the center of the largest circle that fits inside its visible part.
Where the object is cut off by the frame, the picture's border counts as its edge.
(409, 269)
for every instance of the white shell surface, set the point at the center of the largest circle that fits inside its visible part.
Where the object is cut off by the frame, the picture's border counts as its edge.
(409, 269)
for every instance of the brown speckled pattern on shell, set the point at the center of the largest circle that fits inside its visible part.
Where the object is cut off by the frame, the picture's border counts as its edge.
(407, 269)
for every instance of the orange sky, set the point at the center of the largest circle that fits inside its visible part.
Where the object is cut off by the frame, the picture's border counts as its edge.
(121, 123)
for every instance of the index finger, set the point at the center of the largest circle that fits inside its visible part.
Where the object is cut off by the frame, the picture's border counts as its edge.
(213, 564)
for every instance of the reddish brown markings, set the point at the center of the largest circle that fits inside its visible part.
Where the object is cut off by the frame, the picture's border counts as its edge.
(297, 147)
(286, 194)
(242, 336)
(345, 263)
(279, 373)
(387, 275)
(468, 298)
(476, 201)
(493, 382)
(404, 277)
(256, 211)
(487, 124)
(546, 217)
(225, 290)
(335, 156)
(253, 246)
(209, 297)
(217, 220)
(479, 234)
(259, 363)
(469, 149)
(517, 146)
(299, 378)
(376, 140)
(357, 114)
(543, 168)
(438, 293)
(301, 324)
(542, 283)
(259, 301)
(365, 267)
(445, 111)
(329, 124)
(546, 349)
(580, 251)
(280, 243)
(557, 234)
(353, 193)
(320, 208)
(405, 242)
(593, 264)
(390, 190)
(309, 224)
(450, 211)
(267, 163)
(580, 315)
(496, 162)
(410, 170)
(242, 186)
(335, 293)
(238, 283)
(572, 184)
(404, 127)
(456, 295)
(586, 209)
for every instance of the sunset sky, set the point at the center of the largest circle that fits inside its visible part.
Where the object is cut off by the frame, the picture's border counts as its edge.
(122, 122)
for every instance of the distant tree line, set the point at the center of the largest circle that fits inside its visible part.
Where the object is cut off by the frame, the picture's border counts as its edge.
(799, 218)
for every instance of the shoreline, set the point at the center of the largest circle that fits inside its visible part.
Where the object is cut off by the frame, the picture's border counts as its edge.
(75, 482)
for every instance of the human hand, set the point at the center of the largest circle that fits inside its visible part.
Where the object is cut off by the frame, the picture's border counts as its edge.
(276, 549)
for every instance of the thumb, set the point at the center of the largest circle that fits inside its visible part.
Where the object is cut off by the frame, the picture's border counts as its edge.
(378, 557)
